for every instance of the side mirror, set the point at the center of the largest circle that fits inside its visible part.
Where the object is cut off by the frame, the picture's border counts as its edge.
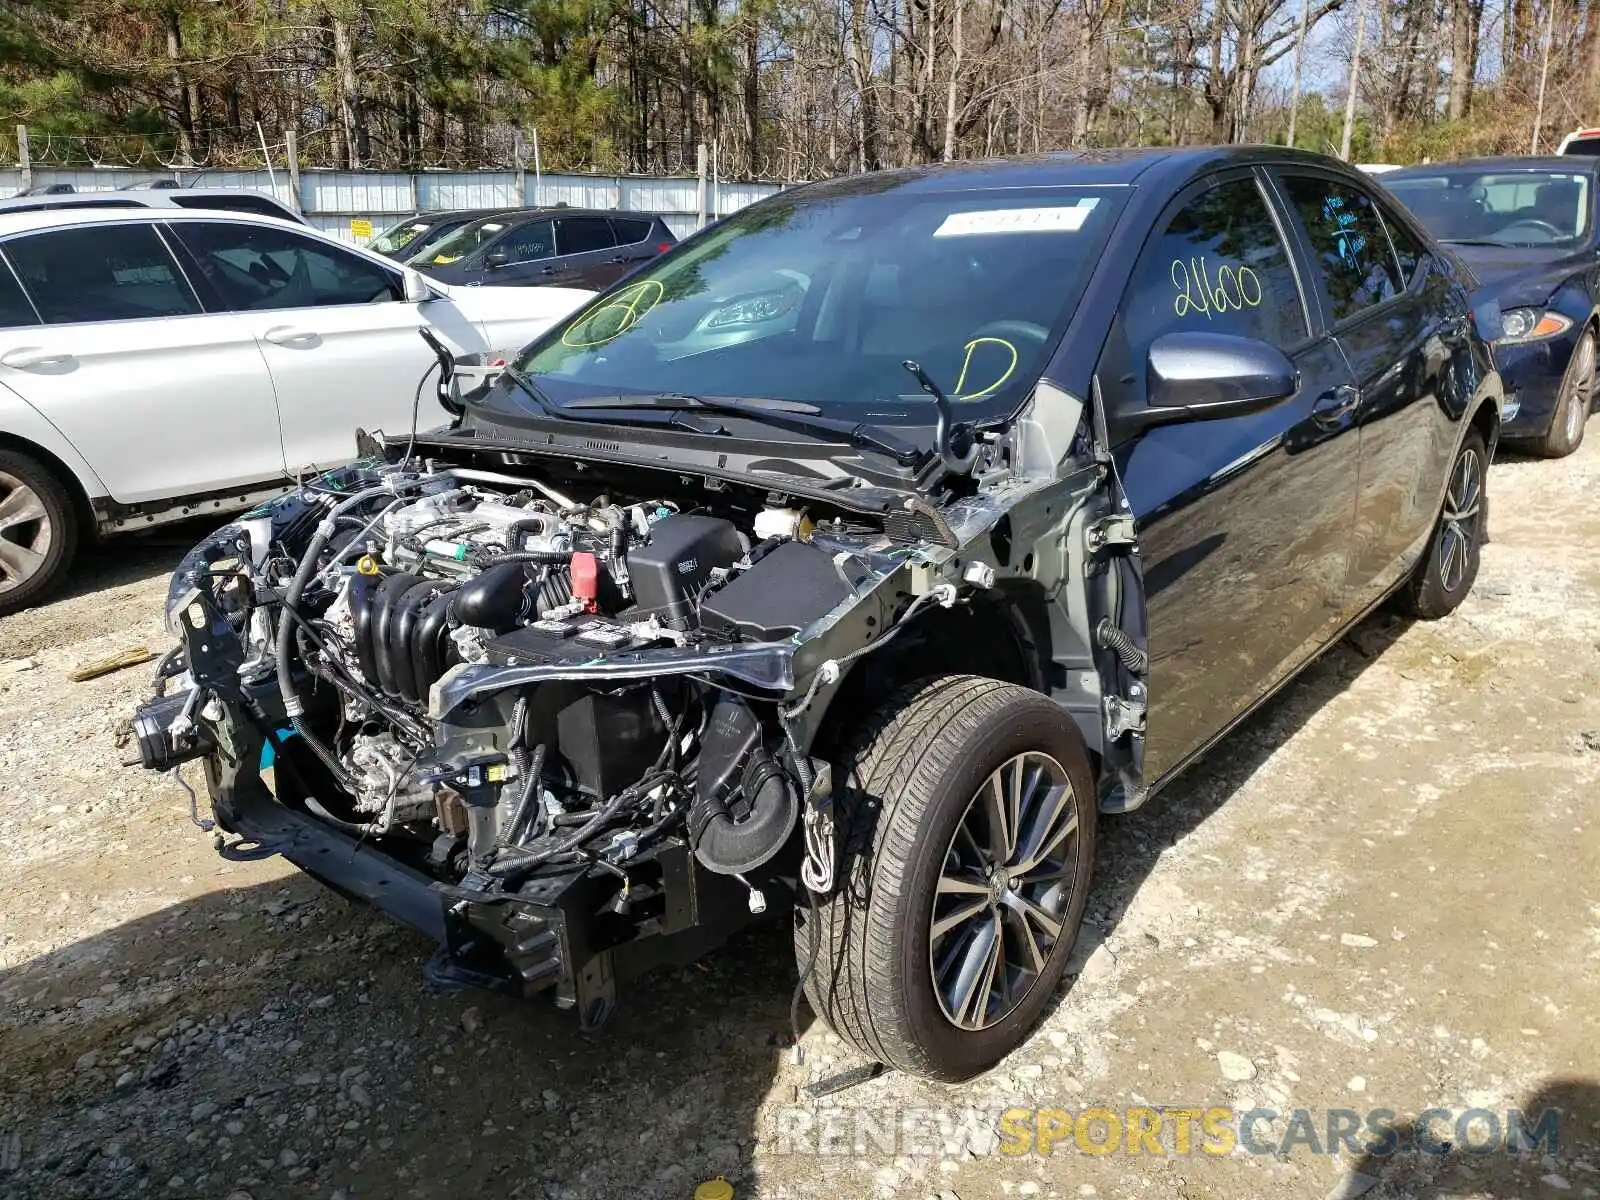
(417, 290)
(494, 260)
(1197, 376)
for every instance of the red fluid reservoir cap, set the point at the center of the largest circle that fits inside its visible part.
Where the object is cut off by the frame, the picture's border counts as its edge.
(586, 579)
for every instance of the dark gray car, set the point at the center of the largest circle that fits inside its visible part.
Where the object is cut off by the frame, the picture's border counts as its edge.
(562, 247)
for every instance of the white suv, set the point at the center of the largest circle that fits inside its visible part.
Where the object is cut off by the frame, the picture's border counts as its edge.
(158, 364)
(1581, 141)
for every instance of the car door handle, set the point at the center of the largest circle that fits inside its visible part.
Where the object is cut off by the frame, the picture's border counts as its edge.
(554, 270)
(1335, 404)
(291, 335)
(621, 258)
(33, 358)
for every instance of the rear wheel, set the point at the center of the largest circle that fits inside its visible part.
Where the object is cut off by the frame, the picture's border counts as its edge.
(38, 530)
(968, 816)
(1445, 574)
(1574, 403)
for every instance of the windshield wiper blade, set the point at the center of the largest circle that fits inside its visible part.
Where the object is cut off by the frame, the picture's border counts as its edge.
(539, 396)
(683, 400)
(1476, 242)
(795, 416)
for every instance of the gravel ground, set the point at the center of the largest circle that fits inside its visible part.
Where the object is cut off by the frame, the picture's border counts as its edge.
(1379, 894)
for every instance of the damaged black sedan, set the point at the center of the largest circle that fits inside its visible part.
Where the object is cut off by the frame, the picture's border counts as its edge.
(846, 562)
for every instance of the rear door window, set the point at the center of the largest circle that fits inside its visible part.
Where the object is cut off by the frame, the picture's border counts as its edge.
(118, 272)
(580, 235)
(257, 267)
(1358, 267)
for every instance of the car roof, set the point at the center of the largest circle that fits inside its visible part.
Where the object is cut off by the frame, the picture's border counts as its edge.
(444, 214)
(1564, 163)
(549, 211)
(130, 197)
(1139, 165)
(64, 218)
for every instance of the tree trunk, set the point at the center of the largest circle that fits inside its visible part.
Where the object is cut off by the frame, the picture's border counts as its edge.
(861, 74)
(183, 92)
(752, 92)
(957, 48)
(1355, 83)
(1463, 64)
(344, 65)
(1299, 67)
(1083, 77)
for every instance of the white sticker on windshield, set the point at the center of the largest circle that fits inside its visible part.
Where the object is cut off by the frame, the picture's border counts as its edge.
(1062, 219)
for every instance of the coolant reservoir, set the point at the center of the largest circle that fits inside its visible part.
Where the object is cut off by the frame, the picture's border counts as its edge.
(783, 523)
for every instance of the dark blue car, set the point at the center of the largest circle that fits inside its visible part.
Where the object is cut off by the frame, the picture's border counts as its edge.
(1528, 229)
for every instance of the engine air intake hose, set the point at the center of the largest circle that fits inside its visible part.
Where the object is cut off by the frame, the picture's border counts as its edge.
(737, 773)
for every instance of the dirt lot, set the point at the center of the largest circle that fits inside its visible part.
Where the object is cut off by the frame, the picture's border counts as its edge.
(1380, 895)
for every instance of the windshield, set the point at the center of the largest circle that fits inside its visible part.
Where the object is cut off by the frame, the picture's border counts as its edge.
(819, 296)
(397, 237)
(1501, 208)
(463, 242)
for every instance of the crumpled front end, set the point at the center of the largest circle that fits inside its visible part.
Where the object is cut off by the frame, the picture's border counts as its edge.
(567, 733)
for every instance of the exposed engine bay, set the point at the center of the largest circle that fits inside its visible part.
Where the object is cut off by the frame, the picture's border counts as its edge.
(564, 721)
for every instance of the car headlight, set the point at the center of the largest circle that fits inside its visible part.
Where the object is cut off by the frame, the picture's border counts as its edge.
(753, 310)
(1531, 325)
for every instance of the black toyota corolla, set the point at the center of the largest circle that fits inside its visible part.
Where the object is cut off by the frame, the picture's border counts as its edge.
(847, 561)
(1528, 229)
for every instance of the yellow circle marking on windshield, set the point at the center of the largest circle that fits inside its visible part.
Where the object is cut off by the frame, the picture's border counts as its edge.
(628, 307)
(971, 348)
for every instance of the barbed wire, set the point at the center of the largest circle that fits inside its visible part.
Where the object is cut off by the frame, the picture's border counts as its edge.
(499, 148)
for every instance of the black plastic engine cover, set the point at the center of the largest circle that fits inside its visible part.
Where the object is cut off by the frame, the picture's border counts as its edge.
(672, 570)
(776, 598)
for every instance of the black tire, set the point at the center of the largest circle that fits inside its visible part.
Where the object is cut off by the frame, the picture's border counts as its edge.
(1573, 403)
(903, 786)
(1442, 579)
(37, 552)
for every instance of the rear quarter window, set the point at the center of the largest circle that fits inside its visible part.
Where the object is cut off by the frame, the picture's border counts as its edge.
(104, 273)
(15, 311)
(630, 230)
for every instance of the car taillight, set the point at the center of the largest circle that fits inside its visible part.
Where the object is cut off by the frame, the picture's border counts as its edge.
(664, 247)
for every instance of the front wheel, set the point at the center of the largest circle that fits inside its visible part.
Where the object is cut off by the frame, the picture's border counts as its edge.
(968, 817)
(1574, 402)
(1444, 576)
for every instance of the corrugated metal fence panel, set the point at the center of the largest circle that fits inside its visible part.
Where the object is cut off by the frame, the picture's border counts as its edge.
(357, 192)
(437, 190)
(331, 200)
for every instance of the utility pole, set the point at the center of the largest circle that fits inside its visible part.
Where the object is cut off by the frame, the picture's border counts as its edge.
(1355, 76)
(1299, 63)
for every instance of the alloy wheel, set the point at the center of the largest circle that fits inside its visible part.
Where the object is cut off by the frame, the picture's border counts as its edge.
(25, 532)
(1580, 397)
(1458, 532)
(1005, 884)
